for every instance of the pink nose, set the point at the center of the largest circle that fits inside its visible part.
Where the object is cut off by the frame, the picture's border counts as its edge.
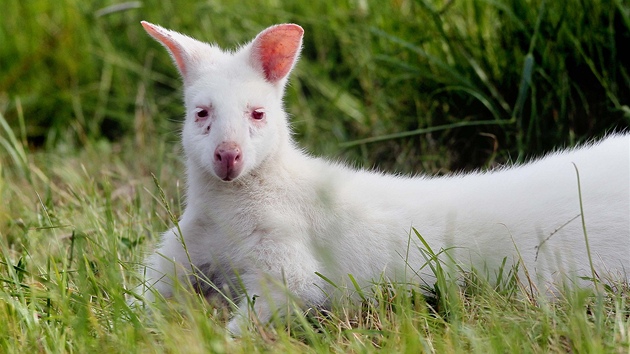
(228, 161)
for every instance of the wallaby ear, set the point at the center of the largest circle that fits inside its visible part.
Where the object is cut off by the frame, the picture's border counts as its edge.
(183, 49)
(275, 51)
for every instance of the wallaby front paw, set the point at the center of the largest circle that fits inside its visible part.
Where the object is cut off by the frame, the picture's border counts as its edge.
(235, 326)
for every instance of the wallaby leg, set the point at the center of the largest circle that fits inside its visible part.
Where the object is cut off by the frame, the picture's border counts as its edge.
(273, 287)
(164, 268)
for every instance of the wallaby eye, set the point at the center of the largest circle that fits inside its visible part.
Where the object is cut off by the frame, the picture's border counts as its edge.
(258, 114)
(201, 114)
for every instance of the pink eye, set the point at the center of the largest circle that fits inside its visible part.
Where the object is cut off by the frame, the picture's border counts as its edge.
(258, 114)
(201, 114)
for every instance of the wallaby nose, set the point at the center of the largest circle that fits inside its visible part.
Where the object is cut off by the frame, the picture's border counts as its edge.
(228, 160)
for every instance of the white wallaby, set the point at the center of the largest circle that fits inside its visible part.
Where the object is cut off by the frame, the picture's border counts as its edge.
(263, 219)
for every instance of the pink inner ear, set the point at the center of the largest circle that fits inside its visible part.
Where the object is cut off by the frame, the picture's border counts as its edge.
(277, 48)
(164, 37)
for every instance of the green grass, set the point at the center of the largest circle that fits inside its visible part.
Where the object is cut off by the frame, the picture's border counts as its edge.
(90, 108)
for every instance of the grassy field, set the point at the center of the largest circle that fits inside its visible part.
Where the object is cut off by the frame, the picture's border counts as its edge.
(90, 109)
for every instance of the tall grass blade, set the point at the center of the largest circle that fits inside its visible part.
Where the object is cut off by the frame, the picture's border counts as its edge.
(14, 148)
(357, 288)
(422, 131)
(523, 87)
(583, 219)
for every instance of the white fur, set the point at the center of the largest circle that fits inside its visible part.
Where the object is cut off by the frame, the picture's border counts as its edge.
(288, 215)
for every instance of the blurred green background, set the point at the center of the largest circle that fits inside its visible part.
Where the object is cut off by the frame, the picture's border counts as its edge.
(424, 85)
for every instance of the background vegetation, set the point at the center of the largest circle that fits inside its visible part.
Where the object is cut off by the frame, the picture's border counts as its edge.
(510, 75)
(90, 109)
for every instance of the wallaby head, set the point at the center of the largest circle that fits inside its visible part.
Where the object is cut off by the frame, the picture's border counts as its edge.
(234, 114)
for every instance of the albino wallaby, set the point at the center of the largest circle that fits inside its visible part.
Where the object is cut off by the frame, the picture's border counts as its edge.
(264, 220)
